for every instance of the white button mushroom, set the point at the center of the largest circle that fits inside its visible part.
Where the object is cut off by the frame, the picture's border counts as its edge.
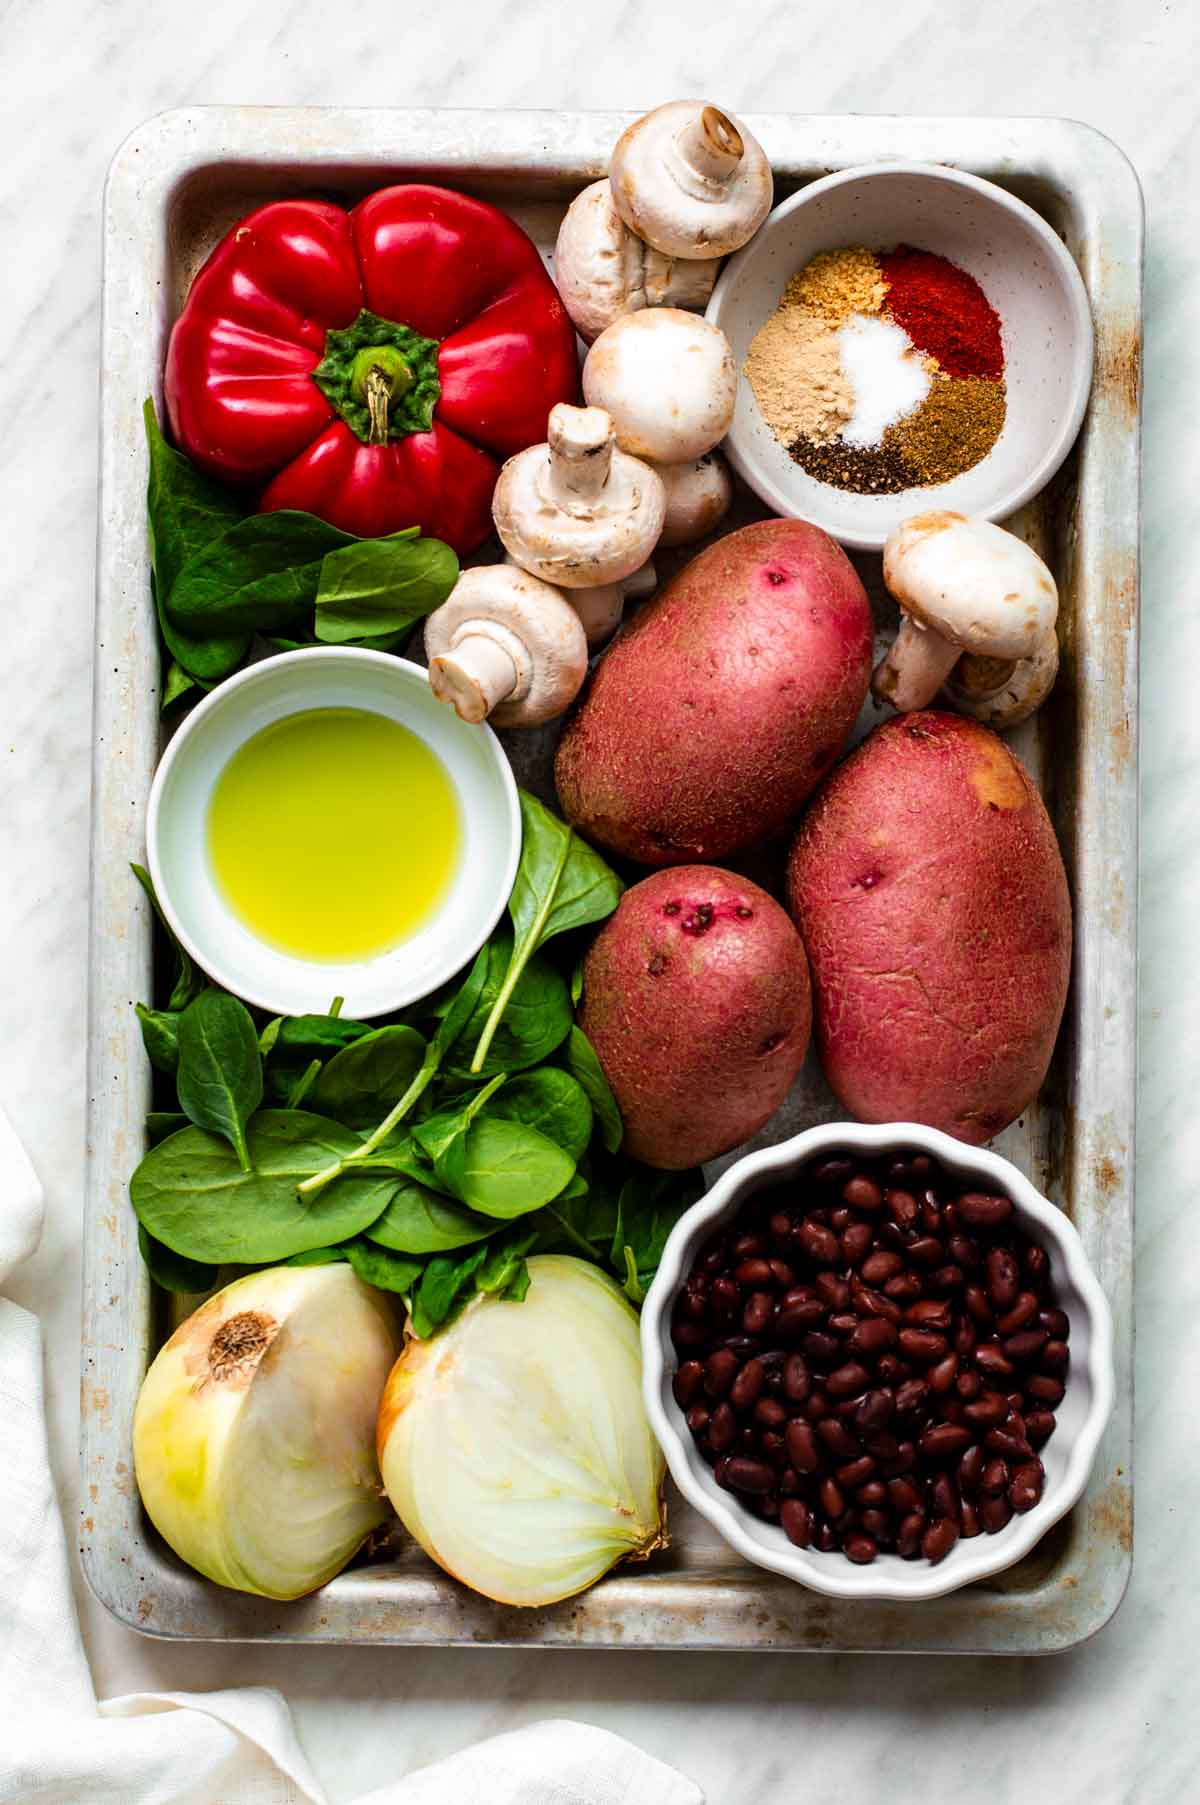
(690, 180)
(600, 610)
(699, 494)
(576, 511)
(963, 586)
(507, 647)
(669, 381)
(1001, 693)
(604, 270)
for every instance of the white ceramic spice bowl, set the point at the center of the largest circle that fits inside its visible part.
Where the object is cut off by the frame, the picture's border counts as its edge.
(1081, 1416)
(177, 838)
(1028, 276)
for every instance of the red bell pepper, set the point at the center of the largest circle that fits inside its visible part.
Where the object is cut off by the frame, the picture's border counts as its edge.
(372, 367)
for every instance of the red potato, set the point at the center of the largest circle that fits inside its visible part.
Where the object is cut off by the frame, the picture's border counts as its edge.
(696, 999)
(931, 897)
(719, 709)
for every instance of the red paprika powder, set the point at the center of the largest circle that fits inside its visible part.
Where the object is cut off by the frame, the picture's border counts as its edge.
(944, 312)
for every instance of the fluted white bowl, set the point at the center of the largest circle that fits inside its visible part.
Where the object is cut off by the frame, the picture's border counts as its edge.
(1081, 1417)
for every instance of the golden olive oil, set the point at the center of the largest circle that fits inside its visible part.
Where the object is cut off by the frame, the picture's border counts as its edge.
(334, 833)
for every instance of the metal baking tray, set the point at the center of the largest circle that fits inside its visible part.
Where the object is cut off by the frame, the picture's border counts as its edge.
(174, 186)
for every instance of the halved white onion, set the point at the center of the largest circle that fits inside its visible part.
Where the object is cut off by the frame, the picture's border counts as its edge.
(514, 1444)
(253, 1437)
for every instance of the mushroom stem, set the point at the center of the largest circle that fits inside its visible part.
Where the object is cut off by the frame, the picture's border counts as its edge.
(475, 676)
(916, 666)
(710, 145)
(581, 441)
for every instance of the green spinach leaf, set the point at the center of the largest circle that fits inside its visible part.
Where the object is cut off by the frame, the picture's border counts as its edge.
(382, 587)
(561, 883)
(551, 1101)
(649, 1205)
(172, 1271)
(504, 1272)
(378, 1266)
(317, 1256)
(535, 1019)
(443, 1289)
(185, 511)
(419, 1221)
(259, 575)
(361, 1083)
(579, 1057)
(160, 1037)
(191, 1193)
(219, 1079)
(162, 1122)
(176, 685)
(188, 981)
(501, 1168)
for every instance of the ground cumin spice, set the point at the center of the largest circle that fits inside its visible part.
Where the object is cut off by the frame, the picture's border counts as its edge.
(954, 428)
(796, 374)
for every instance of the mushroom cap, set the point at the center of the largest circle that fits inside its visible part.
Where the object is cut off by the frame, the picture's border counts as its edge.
(968, 580)
(604, 270)
(699, 494)
(557, 530)
(1000, 692)
(530, 621)
(669, 381)
(691, 180)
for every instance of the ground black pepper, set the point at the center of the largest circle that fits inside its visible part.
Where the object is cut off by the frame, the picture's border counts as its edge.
(865, 470)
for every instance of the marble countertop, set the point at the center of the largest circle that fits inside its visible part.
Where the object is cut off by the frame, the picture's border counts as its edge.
(1109, 1722)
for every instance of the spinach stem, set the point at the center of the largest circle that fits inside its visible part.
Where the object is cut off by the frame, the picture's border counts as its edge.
(308, 1187)
(522, 954)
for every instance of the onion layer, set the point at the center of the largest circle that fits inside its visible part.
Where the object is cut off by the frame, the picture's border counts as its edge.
(253, 1433)
(514, 1444)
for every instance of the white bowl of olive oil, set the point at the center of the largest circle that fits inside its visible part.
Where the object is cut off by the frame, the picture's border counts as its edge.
(321, 826)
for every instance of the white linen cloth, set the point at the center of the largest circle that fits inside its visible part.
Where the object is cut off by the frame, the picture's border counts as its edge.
(59, 1745)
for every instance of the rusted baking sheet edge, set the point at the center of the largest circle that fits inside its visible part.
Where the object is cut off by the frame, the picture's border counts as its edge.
(1078, 1577)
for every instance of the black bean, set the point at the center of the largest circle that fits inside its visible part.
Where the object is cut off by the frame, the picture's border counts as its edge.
(687, 1382)
(744, 1475)
(745, 1390)
(909, 1534)
(1046, 1389)
(803, 1449)
(837, 1438)
(831, 1497)
(1025, 1344)
(873, 1335)
(980, 1209)
(1039, 1427)
(796, 1519)
(796, 1380)
(722, 1429)
(1055, 1358)
(1003, 1279)
(939, 1539)
(944, 1441)
(862, 1193)
(848, 1380)
(1025, 1487)
(1023, 1310)
(856, 1242)
(769, 1413)
(860, 1548)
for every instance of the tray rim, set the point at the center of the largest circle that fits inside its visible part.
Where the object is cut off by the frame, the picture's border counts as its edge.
(1101, 188)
